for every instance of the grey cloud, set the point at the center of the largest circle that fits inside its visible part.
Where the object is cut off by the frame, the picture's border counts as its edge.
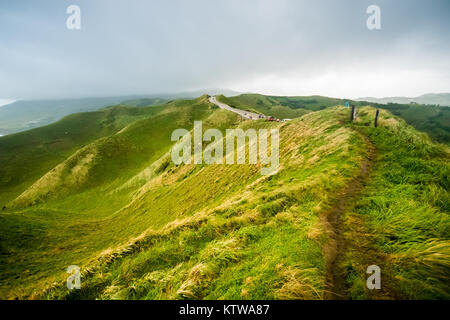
(135, 47)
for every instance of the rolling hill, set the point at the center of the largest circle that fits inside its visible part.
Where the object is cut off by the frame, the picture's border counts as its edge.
(433, 120)
(39, 150)
(28, 114)
(24, 115)
(99, 190)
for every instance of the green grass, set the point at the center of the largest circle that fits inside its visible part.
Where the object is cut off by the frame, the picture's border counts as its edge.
(68, 202)
(26, 156)
(266, 246)
(270, 106)
(281, 107)
(405, 207)
(28, 114)
(141, 227)
(434, 120)
(181, 219)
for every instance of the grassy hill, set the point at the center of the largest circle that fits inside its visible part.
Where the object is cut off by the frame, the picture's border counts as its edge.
(280, 107)
(107, 197)
(27, 114)
(432, 119)
(26, 156)
(87, 186)
(24, 115)
(404, 213)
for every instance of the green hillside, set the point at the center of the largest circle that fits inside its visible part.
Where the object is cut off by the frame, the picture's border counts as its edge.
(404, 213)
(27, 114)
(26, 156)
(432, 119)
(109, 199)
(280, 107)
(80, 190)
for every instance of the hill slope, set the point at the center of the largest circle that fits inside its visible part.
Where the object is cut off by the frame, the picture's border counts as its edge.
(141, 227)
(280, 107)
(74, 196)
(27, 114)
(26, 156)
(433, 120)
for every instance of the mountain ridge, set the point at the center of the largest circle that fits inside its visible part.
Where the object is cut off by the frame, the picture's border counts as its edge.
(141, 227)
(442, 99)
(22, 115)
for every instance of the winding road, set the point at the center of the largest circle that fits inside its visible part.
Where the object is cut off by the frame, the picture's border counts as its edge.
(242, 113)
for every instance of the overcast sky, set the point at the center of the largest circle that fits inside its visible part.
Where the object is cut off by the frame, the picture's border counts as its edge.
(272, 47)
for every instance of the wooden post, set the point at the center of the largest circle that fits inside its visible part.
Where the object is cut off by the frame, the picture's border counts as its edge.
(353, 115)
(376, 117)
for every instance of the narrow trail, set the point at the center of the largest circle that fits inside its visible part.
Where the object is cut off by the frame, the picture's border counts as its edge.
(333, 220)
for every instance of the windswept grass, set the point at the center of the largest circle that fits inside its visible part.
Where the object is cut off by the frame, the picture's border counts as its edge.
(405, 210)
(26, 156)
(141, 227)
(225, 231)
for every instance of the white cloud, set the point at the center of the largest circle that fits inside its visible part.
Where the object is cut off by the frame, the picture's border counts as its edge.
(349, 83)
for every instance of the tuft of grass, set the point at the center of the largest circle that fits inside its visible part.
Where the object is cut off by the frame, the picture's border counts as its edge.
(404, 209)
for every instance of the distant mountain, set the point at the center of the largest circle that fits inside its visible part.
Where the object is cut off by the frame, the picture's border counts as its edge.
(198, 93)
(165, 97)
(27, 114)
(442, 99)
